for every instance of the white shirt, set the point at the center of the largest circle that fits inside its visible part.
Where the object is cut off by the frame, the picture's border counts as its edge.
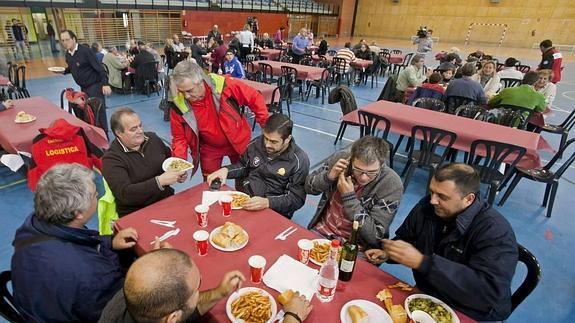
(510, 73)
(73, 50)
(549, 91)
(247, 38)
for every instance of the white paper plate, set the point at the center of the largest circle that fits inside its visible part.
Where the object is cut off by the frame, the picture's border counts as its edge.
(245, 290)
(169, 160)
(26, 121)
(217, 230)
(240, 193)
(322, 241)
(376, 314)
(57, 69)
(454, 317)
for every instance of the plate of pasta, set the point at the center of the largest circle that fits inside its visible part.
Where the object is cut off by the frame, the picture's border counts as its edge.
(251, 304)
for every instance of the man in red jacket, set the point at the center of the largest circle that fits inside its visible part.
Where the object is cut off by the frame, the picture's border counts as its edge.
(206, 116)
(550, 59)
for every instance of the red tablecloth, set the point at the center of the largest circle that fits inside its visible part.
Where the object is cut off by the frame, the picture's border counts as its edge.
(265, 89)
(327, 58)
(262, 227)
(271, 54)
(18, 136)
(4, 80)
(404, 117)
(361, 63)
(395, 58)
(304, 72)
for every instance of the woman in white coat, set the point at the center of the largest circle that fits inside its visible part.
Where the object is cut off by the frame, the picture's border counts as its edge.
(488, 78)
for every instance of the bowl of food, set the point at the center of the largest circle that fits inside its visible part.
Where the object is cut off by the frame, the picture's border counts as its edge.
(437, 309)
(176, 164)
(251, 304)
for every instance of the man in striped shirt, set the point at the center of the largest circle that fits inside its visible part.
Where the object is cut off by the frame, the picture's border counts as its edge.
(347, 54)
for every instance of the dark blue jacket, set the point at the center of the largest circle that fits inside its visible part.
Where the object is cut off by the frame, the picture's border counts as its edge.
(66, 279)
(468, 264)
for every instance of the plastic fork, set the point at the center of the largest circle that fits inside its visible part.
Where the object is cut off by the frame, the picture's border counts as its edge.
(287, 234)
(283, 232)
(167, 235)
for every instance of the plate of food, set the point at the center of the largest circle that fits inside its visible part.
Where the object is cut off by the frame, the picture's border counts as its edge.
(239, 198)
(251, 304)
(320, 251)
(362, 311)
(438, 310)
(23, 117)
(229, 237)
(56, 69)
(176, 164)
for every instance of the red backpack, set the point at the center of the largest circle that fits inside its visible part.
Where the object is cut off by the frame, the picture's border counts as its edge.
(61, 143)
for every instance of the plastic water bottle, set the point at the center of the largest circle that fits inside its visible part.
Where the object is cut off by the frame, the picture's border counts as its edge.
(328, 275)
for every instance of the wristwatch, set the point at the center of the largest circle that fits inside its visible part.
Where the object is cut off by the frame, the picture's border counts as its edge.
(294, 315)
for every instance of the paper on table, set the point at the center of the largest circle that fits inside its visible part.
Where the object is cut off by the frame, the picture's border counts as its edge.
(209, 197)
(288, 273)
(12, 161)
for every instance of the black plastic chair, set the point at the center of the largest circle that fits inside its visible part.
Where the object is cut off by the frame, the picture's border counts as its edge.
(488, 156)
(21, 82)
(275, 106)
(252, 73)
(341, 70)
(453, 102)
(267, 73)
(471, 111)
(427, 156)
(531, 279)
(331, 52)
(7, 308)
(543, 175)
(369, 124)
(524, 115)
(396, 51)
(372, 71)
(509, 82)
(384, 58)
(523, 68)
(346, 107)
(147, 78)
(321, 85)
(562, 129)
(290, 74)
(286, 92)
(429, 104)
(500, 66)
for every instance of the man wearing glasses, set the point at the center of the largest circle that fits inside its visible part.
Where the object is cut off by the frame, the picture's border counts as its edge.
(356, 186)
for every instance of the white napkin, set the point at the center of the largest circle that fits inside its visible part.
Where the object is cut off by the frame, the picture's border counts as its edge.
(12, 161)
(209, 197)
(288, 273)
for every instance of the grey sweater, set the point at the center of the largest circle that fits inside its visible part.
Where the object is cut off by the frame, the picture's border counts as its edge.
(374, 209)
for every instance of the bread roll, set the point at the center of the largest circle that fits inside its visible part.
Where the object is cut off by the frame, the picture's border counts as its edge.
(285, 297)
(222, 240)
(357, 314)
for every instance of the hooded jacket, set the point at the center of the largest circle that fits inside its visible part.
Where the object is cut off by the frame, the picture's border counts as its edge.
(69, 276)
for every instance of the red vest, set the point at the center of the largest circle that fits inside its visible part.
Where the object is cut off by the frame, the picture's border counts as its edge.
(61, 143)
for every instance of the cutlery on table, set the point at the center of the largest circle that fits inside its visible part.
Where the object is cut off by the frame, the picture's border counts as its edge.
(169, 224)
(287, 234)
(283, 232)
(167, 235)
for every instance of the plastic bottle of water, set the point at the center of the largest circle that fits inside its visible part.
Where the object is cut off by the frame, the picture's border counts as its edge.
(328, 275)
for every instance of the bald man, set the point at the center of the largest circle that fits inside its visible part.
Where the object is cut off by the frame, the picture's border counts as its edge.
(163, 286)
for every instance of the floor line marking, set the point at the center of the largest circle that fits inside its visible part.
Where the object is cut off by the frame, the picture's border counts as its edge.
(322, 132)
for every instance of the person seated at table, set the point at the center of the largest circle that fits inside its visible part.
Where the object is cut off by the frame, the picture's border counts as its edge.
(432, 89)
(232, 65)
(348, 55)
(219, 57)
(323, 46)
(206, 118)
(272, 170)
(466, 86)
(132, 166)
(299, 45)
(411, 76)
(198, 51)
(97, 50)
(374, 48)
(61, 270)
(357, 46)
(356, 185)
(545, 87)
(453, 57)
(461, 250)
(5, 103)
(211, 45)
(266, 41)
(143, 68)
(178, 46)
(235, 43)
(524, 95)
(215, 34)
(363, 52)
(447, 71)
(509, 71)
(132, 47)
(164, 286)
(115, 67)
(488, 78)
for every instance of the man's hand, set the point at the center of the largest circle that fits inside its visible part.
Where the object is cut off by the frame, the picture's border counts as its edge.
(125, 239)
(298, 305)
(376, 256)
(231, 282)
(344, 184)
(106, 90)
(170, 177)
(403, 253)
(339, 167)
(8, 104)
(182, 178)
(221, 173)
(161, 244)
(256, 203)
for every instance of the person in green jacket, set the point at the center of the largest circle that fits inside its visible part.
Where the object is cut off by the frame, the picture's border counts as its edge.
(524, 95)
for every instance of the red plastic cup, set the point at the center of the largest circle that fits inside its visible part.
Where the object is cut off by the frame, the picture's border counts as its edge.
(201, 238)
(304, 247)
(202, 215)
(257, 266)
(226, 202)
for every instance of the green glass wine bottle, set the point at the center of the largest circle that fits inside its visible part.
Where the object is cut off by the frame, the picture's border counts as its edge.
(348, 255)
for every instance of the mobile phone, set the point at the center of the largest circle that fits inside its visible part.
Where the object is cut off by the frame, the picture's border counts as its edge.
(349, 170)
(215, 185)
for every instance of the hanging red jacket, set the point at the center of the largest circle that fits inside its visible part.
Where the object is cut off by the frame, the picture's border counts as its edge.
(61, 143)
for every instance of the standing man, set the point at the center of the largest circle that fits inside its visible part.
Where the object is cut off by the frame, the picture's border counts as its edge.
(246, 41)
(460, 249)
(87, 72)
(300, 43)
(207, 119)
(215, 34)
(550, 59)
(19, 34)
(52, 35)
(273, 169)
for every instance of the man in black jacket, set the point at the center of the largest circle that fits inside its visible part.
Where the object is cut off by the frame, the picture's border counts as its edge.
(460, 249)
(273, 169)
(144, 64)
(87, 72)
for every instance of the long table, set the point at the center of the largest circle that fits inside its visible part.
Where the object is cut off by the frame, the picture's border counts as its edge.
(304, 72)
(16, 137)
(404, 117)
(265, 89)
(270, 53)
(262, 227)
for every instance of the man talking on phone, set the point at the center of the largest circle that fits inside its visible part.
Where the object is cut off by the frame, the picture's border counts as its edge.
(356, 185)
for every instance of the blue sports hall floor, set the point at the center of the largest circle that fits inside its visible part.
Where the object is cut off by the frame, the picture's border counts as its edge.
(315, 129)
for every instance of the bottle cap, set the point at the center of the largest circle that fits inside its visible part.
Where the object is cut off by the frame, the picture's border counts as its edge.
(335, 243)
(355, 225)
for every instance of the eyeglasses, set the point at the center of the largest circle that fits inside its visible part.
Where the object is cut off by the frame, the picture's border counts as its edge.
(371, 173)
